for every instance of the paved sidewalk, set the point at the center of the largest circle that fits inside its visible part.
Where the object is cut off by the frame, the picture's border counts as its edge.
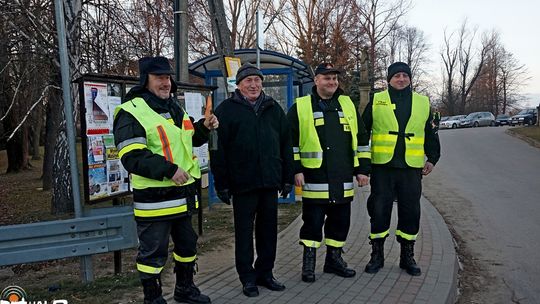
(434, 252)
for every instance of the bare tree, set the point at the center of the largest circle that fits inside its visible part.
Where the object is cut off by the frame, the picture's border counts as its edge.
(323, 30)
(469, 66)
(512, 76)
(23, 76)
(497, 88)
(463, 63)
(409, 45)
(449, 55)
(378, 19)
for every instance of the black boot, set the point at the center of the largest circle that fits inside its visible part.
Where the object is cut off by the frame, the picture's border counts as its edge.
(335, 264)
(185, 290)
(406, 260)
(377, 256)
(308, 264)
(152, 291)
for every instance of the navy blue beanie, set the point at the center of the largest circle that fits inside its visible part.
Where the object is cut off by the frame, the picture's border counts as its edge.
(397, 67)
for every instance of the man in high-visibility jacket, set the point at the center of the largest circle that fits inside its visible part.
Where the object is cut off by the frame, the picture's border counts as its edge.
(401, 137)
(154, 137)
(330, 146)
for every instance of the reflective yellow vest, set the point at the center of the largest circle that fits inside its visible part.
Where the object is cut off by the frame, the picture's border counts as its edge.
(165, 139)
(311, 153)
(385, 130)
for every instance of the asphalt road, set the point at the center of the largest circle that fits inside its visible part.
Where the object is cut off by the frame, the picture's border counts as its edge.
(487, 186)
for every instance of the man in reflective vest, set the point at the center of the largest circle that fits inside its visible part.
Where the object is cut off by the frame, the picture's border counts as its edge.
(154, 137)
(401, 136)
(330, 146)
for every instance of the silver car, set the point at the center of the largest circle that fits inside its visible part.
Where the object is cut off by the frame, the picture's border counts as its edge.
(478, 119)
(452, 122)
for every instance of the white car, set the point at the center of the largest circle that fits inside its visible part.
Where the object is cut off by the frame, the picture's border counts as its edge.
(452, 122)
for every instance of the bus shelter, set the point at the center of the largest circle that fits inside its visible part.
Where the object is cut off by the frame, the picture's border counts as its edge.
(285, 79)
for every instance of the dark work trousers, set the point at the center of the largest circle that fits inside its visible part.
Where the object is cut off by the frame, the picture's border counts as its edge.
(388, 183)
(154, 242)
(336, 225)
(259, 208)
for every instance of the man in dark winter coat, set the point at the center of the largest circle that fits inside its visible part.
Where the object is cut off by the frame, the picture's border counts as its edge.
(154, 137)
(402, 135)
(253, 161)
(330, 147)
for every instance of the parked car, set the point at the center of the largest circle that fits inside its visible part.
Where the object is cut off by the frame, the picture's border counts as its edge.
(502, 119)
(525, 117)
(478, 119)
(452, 122)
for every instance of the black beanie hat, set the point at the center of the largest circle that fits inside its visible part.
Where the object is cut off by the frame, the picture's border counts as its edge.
(247, 69)
(397, 67)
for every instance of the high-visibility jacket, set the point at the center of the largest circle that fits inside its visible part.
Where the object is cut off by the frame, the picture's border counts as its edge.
(385, 130)
(311, 153)
(165, 139)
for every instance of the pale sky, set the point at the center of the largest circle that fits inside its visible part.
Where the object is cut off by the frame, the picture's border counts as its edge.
(517, 21)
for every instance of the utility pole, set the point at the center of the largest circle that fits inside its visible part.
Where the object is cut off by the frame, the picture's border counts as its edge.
(181, 40)
(222, 34)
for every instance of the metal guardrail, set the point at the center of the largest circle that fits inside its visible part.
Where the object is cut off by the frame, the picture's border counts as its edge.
(101, 230)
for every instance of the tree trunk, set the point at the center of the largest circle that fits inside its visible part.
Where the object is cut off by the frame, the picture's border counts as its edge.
(35, 131)
(62, 197)
(17, 147)
(52, 126)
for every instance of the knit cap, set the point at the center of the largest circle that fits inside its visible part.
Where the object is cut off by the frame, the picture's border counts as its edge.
(397, 67)
(247, 69)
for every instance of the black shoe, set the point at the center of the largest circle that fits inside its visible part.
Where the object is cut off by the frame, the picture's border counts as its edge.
(250, 290)
(271, 284)
(377, 256)
(152, 291)
(308, 264)
(407, 261)
(185, 290)
(335, 264)
(190, 294)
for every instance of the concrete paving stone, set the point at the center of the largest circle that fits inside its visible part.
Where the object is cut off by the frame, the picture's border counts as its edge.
(407, 298)
(344, 300)
(377, 297)
(434, 249)
(390, 300)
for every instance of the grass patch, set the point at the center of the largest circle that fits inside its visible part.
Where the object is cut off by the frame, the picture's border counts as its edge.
(532, 132)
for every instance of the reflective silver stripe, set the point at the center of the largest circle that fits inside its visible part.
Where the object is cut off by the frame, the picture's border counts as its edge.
(341, 115)
(160, 205)
(348, 186)
(134, 140)
(296, 150)
(362, 149)
(315, 187)
(318, 115)
(166, 115)
(310, 154)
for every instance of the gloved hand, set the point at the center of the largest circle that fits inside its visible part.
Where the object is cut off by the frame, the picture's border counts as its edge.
(285, 190)
(224, 196)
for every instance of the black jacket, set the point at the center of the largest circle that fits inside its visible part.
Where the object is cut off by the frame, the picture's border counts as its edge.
(403, 101)
(142, 161)
(338, 164)
(254, 148)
